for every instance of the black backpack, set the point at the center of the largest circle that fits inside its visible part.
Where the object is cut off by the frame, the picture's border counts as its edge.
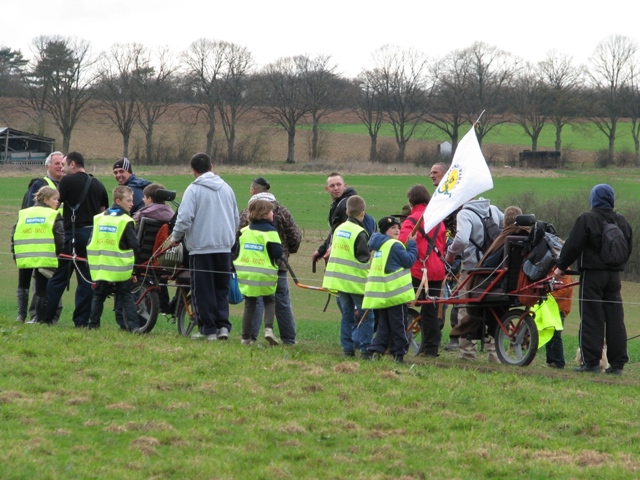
(491, 230)
(615, 249)
(25, 198)
(543, 249)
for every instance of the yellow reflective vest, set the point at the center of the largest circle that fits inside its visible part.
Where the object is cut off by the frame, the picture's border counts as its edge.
(344, 272)
(33, 241)
(107, 261)
(257, 276)
(384, 290)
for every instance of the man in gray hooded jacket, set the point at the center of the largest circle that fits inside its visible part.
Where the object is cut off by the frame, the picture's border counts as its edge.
(469, 233)
(207, 221)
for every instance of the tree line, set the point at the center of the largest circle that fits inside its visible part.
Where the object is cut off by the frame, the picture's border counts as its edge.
(134, 85)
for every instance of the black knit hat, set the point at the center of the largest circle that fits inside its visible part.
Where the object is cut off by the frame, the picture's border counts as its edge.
(386, 222)
(123, 163)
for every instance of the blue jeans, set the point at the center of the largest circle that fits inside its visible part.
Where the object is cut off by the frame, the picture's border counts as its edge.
(353, 338)
(284, 313)
(58, 282)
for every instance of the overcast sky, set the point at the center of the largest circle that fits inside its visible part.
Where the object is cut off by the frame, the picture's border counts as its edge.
(348, 30)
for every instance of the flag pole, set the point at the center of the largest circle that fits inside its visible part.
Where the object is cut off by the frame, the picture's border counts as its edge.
(477, 122)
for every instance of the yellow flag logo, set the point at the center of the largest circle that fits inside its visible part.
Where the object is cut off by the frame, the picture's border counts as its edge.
(453, 179)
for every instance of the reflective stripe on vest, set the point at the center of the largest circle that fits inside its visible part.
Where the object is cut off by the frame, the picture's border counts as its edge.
(33, 241)
(107, 261)
(344, 273)
(257, 276)
(384, 290)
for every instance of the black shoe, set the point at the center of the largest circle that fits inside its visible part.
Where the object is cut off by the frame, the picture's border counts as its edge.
(366, 355)
(613, 371)
(349, 354)
(587, 369)
(398, 358)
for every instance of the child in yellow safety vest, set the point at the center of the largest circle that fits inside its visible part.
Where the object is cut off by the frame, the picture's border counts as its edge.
(111, 256)
(259, 249)
(36, 241)
(389, 287)
(346, 272)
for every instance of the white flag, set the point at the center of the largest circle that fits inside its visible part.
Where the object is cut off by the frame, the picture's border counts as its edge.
(467, 177)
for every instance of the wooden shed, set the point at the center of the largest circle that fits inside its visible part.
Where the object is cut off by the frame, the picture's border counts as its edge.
(23, 148)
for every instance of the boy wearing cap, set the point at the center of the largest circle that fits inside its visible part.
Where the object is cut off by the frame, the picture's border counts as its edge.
(123, 171)
(389, 287)
(347, 271)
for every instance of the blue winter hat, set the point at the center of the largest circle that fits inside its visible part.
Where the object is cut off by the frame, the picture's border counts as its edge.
(601, 196)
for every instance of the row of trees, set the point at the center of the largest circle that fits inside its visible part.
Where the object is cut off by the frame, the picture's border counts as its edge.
(134, 85)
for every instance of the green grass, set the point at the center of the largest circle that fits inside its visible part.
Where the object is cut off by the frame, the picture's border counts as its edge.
(580, 137)
(104, 404)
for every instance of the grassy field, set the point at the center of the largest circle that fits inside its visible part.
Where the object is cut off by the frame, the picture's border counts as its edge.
(102, 404)
(580, 137)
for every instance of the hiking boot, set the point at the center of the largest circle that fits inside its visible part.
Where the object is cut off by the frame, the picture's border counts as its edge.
(452, 346)
(270, 337)
(587, 369)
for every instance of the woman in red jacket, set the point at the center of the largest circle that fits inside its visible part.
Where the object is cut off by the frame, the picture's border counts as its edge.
(430, 247)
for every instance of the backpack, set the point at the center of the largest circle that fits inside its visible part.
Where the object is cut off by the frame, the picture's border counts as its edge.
(25, 198)
(615, 249)
(544, 248)
(491, 230)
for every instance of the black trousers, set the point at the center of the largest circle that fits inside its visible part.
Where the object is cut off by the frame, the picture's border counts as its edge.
(210, 275)
(429, 322)
(391, 332)
(602, 317)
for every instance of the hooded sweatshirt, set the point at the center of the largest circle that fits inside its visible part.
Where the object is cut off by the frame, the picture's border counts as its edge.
(208, 216)
(469, 226)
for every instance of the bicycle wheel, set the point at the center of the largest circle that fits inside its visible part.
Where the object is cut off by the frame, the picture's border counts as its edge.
(186, 323)
(413, 331)
(147, 304)
(517, 342)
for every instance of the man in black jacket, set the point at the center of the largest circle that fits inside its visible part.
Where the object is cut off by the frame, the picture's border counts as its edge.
(340, 192)
(601, 310)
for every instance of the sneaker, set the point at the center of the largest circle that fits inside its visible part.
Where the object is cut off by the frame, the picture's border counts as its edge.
(366, 355)
(613, 371)
(398, 358)
(270, 337)
(32, 321)
(223, 334)
(587, 369)
(349, 354)
(20, 318)
(246, 341)
(200, 336)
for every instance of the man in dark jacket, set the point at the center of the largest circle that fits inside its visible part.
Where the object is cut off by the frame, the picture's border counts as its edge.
(340, 192)
(123, 171)
(601, 310)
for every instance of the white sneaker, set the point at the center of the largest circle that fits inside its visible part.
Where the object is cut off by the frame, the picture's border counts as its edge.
(223, 334)
(199, 336)
(270, 337)
(247, 341)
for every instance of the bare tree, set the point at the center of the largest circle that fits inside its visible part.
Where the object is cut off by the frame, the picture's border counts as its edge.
(448, 104)
(633, 110)
(564, 83)
(280, 97)
(400, 79)
(205, 60)
(611, 70)
(489, 71)
(324, 91)
(232, 89)
(369, 110)
(116, 87)
(60, 81)
(530, 103)
(154, 92)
